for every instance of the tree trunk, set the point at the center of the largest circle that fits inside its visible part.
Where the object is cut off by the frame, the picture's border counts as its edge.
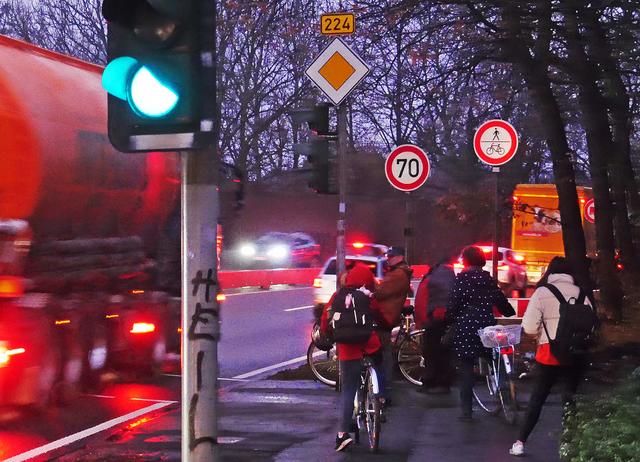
(600, 145)
(617, 99)
(534, 72)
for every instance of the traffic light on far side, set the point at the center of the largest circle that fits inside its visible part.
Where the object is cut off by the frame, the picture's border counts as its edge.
(160, 74)
(317, 154)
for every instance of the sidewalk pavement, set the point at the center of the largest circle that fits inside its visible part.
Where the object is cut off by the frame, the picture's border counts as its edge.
(269, 420)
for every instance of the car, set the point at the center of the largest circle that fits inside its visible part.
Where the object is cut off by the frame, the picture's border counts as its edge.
(372, 255)
(512, 269)
(280, 250)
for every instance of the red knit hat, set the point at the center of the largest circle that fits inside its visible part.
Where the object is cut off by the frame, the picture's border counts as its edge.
(360, 275)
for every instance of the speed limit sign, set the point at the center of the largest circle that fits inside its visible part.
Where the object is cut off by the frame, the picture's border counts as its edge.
(407, 167)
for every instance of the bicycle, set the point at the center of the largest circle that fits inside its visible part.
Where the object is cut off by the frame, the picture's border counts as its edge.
(497, 389)
(367, 407)
(407, 345)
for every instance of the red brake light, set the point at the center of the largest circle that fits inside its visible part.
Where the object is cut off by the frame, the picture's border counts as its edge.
(486, 249)
(6, 353)
(221, 298)
(357, 245)
(317, 283)
(503, 267)
(11, 287)
(142, 328)
(506, 350)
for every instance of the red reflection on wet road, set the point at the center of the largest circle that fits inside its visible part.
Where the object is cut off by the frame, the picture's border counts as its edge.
(16, 443)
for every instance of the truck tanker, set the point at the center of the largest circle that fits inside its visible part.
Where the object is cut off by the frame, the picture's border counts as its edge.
(82, 228)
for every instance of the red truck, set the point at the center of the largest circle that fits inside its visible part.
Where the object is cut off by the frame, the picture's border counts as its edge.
(82, 234)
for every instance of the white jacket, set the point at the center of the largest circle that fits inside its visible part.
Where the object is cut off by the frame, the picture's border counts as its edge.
(544, 305)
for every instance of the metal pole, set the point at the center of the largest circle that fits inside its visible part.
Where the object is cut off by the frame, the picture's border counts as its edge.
(496, 229)
(408, 230)
(342, 201)
(200, 308)
(342, 189)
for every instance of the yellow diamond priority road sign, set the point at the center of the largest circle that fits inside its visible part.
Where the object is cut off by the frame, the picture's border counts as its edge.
(337, 71)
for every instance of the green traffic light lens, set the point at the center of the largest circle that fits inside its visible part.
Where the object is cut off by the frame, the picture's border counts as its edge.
(149, 96)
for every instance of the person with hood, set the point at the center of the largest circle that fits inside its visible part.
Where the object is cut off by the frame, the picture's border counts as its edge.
(359, 278)
(429, 313)
(470, 309)
(391, 296)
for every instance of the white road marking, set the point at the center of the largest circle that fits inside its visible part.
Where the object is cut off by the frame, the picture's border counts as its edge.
(153, 400)
(86, 433)
(299, 359)
(219, 378)
(297, 308)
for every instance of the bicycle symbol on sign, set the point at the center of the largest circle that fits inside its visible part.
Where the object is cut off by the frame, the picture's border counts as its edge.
(495, 149)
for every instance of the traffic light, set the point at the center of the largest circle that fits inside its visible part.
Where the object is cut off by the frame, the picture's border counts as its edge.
(160, 74)
(318, 160)
(317, 148)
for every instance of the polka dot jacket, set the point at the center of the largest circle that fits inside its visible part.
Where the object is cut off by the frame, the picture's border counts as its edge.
(470, 308)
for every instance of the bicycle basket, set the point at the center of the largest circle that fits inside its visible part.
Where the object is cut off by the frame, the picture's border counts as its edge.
(500, 336)
(322, 341)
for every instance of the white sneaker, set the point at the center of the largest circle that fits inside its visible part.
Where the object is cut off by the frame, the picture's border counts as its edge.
(517, 449)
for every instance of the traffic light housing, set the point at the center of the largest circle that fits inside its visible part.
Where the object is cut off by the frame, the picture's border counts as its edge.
(317, 149)
(160, 74)
(318, 160)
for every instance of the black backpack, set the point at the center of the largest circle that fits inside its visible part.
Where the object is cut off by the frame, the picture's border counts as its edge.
(351, 316)
(576, 327)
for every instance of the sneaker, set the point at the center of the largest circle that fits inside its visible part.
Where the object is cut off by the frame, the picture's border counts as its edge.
(343, 442)
(517, 449)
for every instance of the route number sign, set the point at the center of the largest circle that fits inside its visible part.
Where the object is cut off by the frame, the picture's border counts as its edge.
(337, 24)
(495, 142)
(590, 211)
(407, 167)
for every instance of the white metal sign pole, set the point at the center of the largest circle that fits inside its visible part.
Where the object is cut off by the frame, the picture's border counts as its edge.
(342, 186)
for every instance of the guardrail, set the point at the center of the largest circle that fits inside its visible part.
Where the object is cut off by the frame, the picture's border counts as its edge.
(267, 278)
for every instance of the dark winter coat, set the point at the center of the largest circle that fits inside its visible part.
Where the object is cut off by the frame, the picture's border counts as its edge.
(473, 297)
(433, 292)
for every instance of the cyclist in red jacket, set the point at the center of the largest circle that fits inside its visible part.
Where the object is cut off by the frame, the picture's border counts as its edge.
(350, 355)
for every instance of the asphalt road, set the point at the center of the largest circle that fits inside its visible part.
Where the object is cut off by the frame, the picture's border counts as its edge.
(261, 330)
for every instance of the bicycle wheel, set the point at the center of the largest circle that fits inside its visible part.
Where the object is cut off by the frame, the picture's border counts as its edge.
(508, 400)
(410, 360)
(323, 364)
(485, 388)
(373, 409)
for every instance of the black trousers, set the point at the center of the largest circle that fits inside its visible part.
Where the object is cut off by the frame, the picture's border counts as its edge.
(549, 376)
(467, 378)
(437, 356)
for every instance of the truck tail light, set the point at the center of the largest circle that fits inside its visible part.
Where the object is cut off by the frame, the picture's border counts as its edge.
(142, 328)
(11, 287)
(317, 283)
(6, 353)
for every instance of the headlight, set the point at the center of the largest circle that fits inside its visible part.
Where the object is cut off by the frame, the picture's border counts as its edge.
(278, 252)
(247, 250)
